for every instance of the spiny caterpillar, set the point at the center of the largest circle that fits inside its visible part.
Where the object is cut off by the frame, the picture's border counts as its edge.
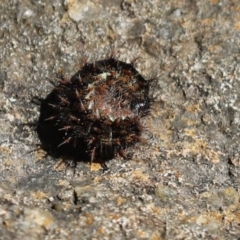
(97, 113)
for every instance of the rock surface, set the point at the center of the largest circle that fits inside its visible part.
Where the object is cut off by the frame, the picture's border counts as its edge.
(183, 184)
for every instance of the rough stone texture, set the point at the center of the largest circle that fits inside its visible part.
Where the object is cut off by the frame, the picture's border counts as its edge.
(184, 184)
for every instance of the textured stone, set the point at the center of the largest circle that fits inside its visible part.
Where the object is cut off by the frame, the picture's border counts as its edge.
(184, 182)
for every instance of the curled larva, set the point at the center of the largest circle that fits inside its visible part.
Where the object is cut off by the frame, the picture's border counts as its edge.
(97, 113)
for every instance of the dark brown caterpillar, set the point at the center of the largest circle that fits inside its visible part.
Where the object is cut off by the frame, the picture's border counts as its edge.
(97, 113)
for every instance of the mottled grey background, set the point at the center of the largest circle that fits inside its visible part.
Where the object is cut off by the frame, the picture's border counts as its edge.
(183, 184)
